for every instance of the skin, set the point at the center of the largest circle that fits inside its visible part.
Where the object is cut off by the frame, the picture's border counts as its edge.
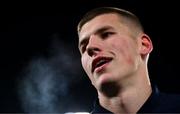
(126, 73)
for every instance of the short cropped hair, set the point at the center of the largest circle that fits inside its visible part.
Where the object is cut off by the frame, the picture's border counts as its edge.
(128, 16)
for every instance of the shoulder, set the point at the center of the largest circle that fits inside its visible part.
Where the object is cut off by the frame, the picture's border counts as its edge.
(168, 103)
(170, 100)
(160, 102)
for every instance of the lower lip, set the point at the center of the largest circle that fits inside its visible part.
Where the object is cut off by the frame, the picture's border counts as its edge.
(101, 68)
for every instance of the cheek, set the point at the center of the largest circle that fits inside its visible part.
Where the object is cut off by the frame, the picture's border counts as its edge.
(85, 63)
(125, 50)
(86, 66)
(119, 47)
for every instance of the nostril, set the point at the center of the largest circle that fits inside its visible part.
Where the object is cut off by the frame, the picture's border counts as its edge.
(92, 51)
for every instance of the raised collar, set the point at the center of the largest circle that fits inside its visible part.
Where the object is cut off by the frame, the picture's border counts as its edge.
(148, 106)
(151, 102)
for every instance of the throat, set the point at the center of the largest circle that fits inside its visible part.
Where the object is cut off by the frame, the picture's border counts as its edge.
(123, 101)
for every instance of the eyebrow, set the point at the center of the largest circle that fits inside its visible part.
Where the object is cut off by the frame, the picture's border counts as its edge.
(100, 30)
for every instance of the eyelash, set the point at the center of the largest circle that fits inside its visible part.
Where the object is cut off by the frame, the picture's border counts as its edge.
(106, 34)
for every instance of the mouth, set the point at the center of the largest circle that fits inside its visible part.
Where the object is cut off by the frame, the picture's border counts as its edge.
(100, 61)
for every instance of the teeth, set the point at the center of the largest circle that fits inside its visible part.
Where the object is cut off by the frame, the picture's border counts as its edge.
(101, 62)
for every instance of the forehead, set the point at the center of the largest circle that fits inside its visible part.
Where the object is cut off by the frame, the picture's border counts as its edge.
(99, 22)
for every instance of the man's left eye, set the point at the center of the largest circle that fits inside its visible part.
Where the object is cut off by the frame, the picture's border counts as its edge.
(106, 34)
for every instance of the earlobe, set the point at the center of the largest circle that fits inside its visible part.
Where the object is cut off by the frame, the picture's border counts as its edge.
(146, 44)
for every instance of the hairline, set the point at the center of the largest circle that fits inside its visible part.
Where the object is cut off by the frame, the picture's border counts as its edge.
(127, 17)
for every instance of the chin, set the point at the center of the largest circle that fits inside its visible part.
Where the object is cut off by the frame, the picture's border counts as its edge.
(103, 79)
(106, 83)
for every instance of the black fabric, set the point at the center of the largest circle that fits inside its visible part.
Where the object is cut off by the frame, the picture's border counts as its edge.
(158, 102)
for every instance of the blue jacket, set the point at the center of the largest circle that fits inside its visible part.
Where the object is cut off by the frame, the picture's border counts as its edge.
(158, 102)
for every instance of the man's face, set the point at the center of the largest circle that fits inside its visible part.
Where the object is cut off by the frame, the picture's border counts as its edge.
(109, 52)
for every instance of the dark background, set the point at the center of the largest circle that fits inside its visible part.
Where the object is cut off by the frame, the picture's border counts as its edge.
(40, 63)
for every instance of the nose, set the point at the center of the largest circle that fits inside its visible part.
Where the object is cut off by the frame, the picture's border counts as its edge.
(94, 46)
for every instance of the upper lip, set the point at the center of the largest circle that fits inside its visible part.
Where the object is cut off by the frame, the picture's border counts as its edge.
(96, 61)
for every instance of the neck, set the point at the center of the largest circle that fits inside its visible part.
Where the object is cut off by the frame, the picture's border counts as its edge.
(130, 98)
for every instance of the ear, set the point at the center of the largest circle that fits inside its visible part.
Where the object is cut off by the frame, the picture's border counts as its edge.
(146, 45)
